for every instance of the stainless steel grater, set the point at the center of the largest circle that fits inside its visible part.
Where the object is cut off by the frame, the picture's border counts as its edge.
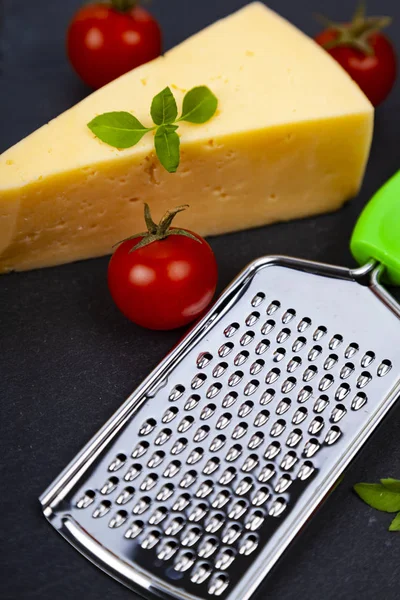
(200, 481)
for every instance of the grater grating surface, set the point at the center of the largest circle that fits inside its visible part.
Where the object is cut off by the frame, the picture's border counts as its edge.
(200, 481)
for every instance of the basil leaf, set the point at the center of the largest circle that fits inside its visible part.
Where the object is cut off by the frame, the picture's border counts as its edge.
(378, 496)
(163, 107)
(167, 143)
(395, 524)
(391, 484)
(118, 129)
(199, 105)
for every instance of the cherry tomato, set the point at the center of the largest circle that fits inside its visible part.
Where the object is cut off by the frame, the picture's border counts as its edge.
(104, 42)
(165, 284)
(365, 53)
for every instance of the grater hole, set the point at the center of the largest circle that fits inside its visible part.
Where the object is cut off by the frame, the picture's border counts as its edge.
(305, 394)
(351, 350)
(118, 462)
(133, 472)
(347, 370)
(140, 449)
(207, 412)
(203, 360)
(335, 341)
(235, 378)
(314, 352)
(87, 499)
(192, 402)
(252, 318)
(102, 509)
(241, 357)
(268, 327)
(176, 393)
(273, 307)
(258, 298)
(367, 359)
(283, 335)
(267, 396)
(316, 425)
(326, 382)
(179, 446)
(330, 362)
(189, 479)
(109, 486)
(183, 426)
(184, 561)
(247, 338)
(273, 375)
(288, 315)
(384, 368)
(294, 438)
(126, 495)
(230, 399)
(246, 408)
(261, 418)
(231, 329)
(299, 343)
(240, 430)
(320, 332)
(163, 436)
(299, 416)
(304, 324)
(256, 439)
(321, 403)
(198, 381)
(234, 453)
(220, 369)
(170, 414)
(195, 455)
(218, 584)
(359, 401)
(228, 476)
(279, 354)
(201, 433)
(288, 385)
(294, 364)
(134, 530)
(225, 349)
(278, 507)
(262, 346)
(217, 443)
(310, 373)
(283, 406)
(364, 379)
(257, 366)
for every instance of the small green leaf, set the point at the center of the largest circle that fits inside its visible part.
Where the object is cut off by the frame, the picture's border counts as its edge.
(163, 108)
(199, 105)
(167, 143)
(395, 524)
(118, 129)
(378, 496)
(391, 484)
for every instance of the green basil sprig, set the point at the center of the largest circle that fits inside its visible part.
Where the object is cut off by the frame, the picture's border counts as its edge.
(124, 130)
(384, 496)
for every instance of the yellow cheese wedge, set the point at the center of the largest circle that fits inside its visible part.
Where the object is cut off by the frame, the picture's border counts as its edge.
(291, 138)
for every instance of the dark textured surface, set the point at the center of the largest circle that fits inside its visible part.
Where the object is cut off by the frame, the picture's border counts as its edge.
(68, 358)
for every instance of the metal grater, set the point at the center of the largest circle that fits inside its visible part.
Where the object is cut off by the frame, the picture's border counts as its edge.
(199, 482)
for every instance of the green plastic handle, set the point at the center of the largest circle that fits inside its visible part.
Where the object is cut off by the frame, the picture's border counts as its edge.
(377, 233)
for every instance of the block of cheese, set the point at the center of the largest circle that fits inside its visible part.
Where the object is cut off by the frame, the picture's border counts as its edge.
(291, 138)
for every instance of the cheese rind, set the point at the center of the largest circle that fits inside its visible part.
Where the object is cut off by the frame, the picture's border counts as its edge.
(291, 138)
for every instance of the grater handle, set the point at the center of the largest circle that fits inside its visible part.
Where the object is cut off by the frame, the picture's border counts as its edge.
(377, 232)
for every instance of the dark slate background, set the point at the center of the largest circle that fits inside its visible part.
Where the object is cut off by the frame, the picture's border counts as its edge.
(68, 358)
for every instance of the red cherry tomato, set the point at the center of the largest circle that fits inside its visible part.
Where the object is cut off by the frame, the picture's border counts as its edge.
(374, 73)
(165, 284)
(104, 43)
